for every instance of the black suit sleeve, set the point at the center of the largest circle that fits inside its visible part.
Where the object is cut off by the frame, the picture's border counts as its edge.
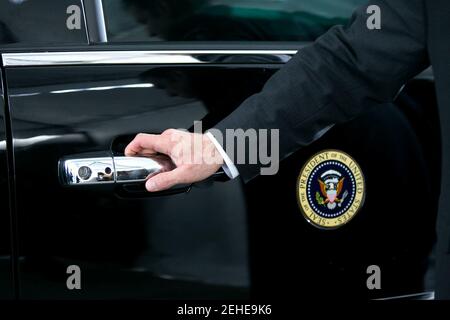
(336, 78)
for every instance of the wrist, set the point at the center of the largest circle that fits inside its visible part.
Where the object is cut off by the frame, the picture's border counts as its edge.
(227, 164)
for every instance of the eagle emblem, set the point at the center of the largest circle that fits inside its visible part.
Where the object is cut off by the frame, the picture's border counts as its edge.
(331, 187)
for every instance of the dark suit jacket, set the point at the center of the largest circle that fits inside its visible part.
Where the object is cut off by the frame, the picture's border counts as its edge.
(349, 69)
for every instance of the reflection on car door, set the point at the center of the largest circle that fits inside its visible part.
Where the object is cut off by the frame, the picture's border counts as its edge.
(126, 244)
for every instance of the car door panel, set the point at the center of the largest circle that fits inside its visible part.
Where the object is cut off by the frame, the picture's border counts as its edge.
(72, 96)
(132, 247)
(124, 247)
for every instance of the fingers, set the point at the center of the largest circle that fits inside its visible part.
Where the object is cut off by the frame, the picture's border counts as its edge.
(181, 148)
(145, 144)
(165, 180)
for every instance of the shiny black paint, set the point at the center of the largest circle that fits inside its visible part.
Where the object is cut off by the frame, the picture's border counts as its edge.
(179, 246)
(6, 269)
(395, 230)
(194, 245)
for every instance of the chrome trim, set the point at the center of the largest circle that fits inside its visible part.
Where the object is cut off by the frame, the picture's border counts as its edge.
(138, 169)
(93, 170)
(95, 20)
(30, 59)
(86, 171)
(417, 296)
(101, 23)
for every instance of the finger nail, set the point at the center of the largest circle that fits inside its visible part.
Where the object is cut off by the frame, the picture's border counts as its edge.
(151, 186)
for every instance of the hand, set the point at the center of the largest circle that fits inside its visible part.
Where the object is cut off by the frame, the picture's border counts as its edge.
(195, 156)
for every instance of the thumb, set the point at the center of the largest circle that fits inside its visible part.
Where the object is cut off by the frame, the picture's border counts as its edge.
(164, 181)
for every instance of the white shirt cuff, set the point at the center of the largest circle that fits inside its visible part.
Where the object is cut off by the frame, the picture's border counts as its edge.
(229, 168)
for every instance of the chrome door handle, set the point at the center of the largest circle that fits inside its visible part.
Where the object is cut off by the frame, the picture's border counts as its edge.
(92, 170)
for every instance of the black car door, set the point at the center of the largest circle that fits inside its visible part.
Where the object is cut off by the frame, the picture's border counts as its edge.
(126, 243)
(154, 65)
(93, 241)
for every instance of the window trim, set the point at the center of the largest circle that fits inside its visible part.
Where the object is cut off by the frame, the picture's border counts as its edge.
(95, 21)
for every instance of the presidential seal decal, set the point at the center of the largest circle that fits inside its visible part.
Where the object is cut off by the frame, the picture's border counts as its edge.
(330, 189)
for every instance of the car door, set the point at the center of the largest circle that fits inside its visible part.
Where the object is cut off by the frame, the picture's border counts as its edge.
(94, 241)
(148, 66)
(396, 145)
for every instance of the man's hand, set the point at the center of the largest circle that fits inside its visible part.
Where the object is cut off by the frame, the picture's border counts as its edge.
(195, 156)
